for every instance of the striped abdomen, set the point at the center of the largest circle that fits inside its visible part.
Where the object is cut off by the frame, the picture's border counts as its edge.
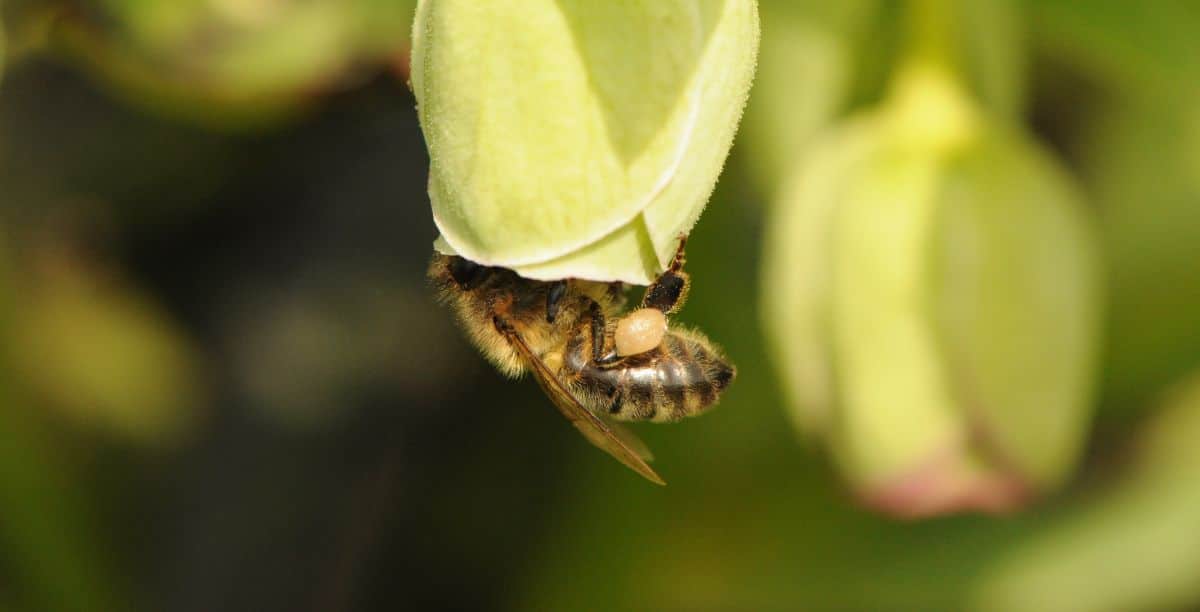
(682, 377)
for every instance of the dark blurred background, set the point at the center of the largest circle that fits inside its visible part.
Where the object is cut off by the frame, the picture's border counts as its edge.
(229, 388)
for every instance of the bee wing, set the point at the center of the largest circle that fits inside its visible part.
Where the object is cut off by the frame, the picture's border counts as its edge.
(591, 426)
(630, 439)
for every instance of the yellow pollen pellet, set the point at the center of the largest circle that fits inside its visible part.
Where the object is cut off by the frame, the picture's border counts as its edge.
(640, 331)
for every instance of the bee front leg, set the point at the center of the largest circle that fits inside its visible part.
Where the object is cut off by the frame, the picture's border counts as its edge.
(669, 291)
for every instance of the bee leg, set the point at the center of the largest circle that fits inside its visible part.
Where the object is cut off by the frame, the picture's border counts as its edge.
(554, 296)
(669, 291)
(602, 355)
(608, 359)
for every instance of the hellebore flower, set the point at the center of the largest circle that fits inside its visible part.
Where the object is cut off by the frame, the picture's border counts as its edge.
(572, 138)
(931, 292)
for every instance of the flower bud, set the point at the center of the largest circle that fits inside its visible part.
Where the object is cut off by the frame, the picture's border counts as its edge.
(578, 139)
(931, 292)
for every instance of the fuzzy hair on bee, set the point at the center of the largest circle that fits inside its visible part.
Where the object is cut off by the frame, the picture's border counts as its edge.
(568, 333)
(478, 295)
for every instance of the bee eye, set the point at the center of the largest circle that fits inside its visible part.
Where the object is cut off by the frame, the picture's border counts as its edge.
(467, 274)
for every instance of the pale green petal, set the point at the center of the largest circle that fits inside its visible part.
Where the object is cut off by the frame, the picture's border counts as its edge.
(897, 411)
(551, 126)
(607, 259)
(626, 255)
(797, 265)
(441, 246)
(1018, 302)
(723, 80)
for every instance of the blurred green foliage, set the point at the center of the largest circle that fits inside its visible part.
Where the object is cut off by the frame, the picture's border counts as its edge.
(223, 386)
(1142, 517)
(119, 363)
(223, 62)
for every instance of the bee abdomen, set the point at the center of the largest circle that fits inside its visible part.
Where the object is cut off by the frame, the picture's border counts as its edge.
(683, 377)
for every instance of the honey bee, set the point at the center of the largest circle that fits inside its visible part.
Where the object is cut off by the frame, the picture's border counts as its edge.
(595, 364)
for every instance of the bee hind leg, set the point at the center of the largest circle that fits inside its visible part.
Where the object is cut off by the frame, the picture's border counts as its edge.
(669, 291)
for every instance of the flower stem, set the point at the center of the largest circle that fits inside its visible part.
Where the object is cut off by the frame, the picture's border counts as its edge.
(933, 35)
